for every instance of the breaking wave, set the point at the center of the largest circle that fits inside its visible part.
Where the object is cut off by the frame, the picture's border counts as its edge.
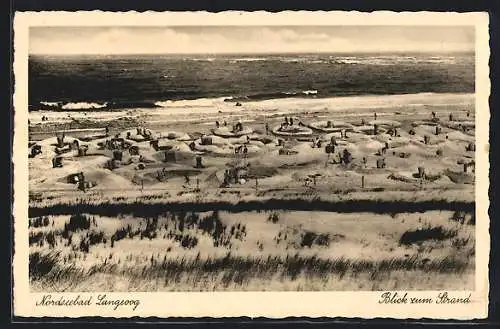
(83, 106)
(200, 102)
(86, 106)
(392, 60)
(50, 104)
(336, 59)
(273, 95)
(248, 59)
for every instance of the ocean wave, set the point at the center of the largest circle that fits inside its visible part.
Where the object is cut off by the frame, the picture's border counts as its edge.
(289, 101)
(85, 106)
(208, 59)
(200, 102)
(248, 59)
(336, 59)
(272, 95)
(50, 104)
(305, 61)
(209, 102)
(393, 60)
(363, 60)
(82, 106)
(295, 60)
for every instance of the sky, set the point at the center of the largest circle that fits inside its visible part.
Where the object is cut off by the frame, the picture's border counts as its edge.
(248, 39)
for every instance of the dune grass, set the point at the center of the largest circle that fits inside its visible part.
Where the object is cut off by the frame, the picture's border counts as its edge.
(58, 254)
(240, 271)
(427, 233)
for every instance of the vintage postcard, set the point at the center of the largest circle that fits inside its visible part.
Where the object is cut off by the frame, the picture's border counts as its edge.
(189, 164)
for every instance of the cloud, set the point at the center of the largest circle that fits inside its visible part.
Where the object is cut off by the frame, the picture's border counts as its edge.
(130, 40)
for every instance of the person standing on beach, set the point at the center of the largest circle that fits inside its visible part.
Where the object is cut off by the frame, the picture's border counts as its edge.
(267, 128)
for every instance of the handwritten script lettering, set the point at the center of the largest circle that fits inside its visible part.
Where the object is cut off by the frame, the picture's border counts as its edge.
(393, 298)
(405, 298)
(100, 300)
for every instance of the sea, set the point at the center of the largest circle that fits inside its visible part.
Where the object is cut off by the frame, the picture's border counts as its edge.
(109, 82)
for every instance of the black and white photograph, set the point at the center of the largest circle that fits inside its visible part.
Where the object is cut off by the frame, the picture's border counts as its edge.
(252, 158)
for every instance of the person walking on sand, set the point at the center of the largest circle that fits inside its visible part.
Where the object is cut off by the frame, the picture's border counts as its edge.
(267, 128)
(186, 179)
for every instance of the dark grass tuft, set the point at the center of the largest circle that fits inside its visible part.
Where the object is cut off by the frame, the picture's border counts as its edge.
(95, 237)
(427, 233)
(39, 222)
(76, 223)
(40, 264)
(310, 238)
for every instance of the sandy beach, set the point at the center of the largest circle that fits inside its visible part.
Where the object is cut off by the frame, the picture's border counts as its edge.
(410, 112)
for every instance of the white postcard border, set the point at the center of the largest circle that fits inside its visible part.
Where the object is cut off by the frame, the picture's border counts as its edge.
(253, 304)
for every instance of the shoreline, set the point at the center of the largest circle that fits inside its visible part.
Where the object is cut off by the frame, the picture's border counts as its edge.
(182, 116)
(337, 103)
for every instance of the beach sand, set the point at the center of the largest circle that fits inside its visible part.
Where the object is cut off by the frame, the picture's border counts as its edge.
(277, 175)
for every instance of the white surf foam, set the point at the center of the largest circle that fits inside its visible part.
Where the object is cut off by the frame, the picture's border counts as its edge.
(82, 106)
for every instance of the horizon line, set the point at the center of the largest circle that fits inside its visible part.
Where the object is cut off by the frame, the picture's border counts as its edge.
(259, 53)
